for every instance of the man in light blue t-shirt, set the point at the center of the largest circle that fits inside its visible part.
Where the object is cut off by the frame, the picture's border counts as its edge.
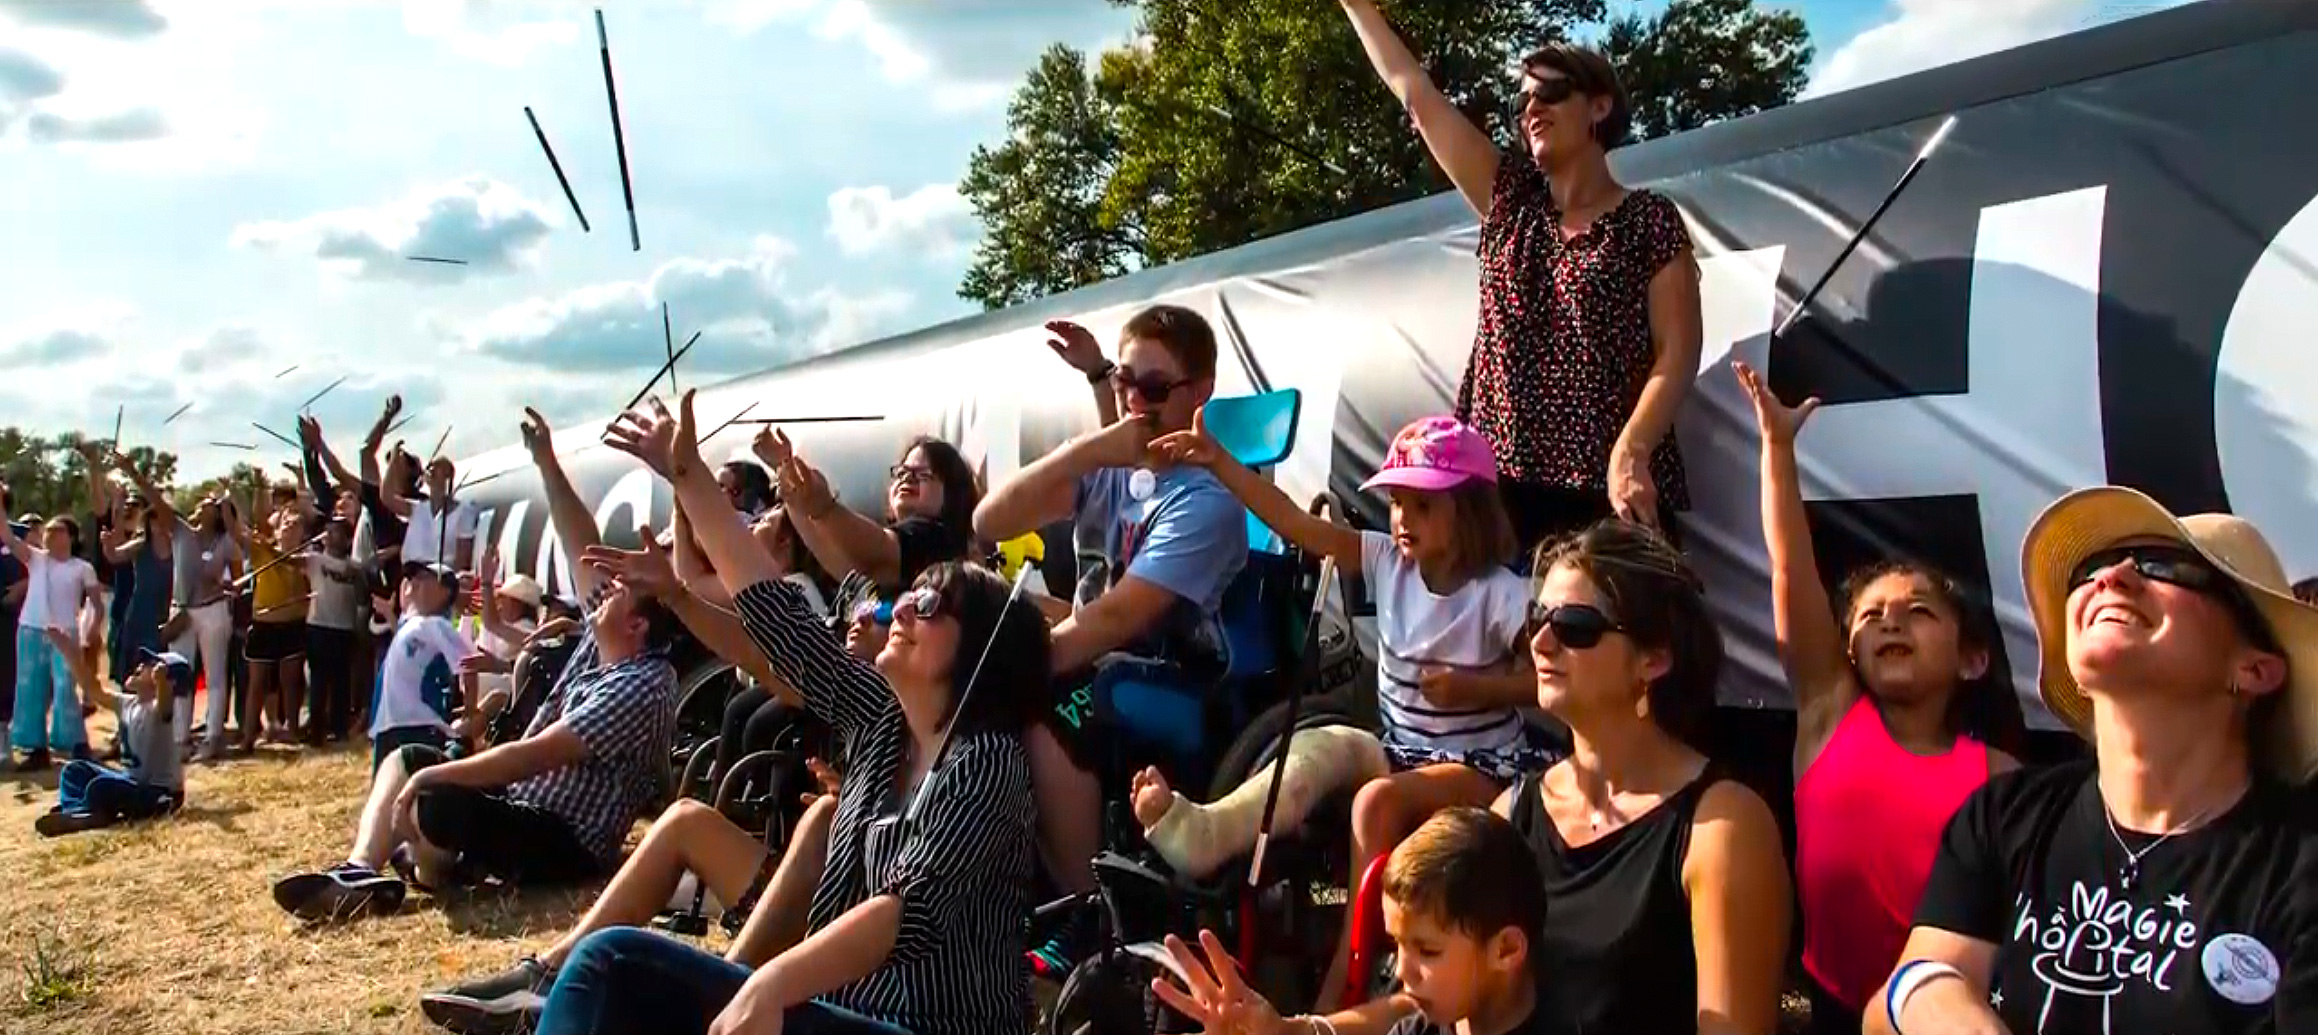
(1156, 551)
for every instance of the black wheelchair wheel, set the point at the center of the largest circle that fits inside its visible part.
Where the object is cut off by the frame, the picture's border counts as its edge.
(695, 782)
(1110, 994)
(753, 794)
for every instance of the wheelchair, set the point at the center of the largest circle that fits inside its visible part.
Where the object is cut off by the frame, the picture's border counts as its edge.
(1283, 924)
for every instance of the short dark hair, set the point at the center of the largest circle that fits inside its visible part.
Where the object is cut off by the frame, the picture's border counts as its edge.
(756, 484)
(1468, 869)
(1985, 708)
(1185, 334)
(1660, 604)
(1002, 633)
(961, 491)
(2306, 590)
(663, 631)
(1594, 76)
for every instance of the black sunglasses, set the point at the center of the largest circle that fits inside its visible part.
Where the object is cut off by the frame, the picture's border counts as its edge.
(2183, 567)
(1154, 386)
(1546, 91)
(2172, 565)
(900, 473)
(922, 603)
(1576, 626)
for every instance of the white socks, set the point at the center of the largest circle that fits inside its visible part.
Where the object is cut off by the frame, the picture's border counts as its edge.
(1195, 838)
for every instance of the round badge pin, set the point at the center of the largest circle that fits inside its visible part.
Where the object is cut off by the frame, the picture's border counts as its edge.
(2240, 969)
(1142, 484)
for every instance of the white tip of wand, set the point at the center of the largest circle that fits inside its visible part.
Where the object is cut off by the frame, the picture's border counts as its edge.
(1939, 136)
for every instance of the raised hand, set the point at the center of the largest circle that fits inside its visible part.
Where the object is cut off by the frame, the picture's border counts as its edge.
(647, 433)
(804, 489)
(1195, 447)
(647, 569)
(1212, 994)
(538, 438)
(1777, 421)
(772, 446)
(1076, 345)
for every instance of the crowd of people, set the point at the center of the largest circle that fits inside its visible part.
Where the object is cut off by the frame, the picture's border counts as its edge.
(1562, 851)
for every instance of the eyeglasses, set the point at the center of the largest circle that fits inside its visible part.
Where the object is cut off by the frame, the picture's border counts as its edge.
(873, 610)
(923, 603)
(902, 474)
(1152, 385)
(1576, 626)
(1547, 92)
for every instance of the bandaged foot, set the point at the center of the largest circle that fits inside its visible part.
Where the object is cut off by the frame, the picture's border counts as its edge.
(1195, 839)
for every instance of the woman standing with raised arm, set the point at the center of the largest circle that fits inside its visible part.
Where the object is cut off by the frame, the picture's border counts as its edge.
(1588, 336)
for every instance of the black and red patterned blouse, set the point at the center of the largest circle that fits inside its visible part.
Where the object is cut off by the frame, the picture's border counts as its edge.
(1563, 345)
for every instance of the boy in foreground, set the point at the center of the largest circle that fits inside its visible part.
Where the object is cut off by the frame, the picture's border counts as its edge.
(89, 795)
(1463, 904)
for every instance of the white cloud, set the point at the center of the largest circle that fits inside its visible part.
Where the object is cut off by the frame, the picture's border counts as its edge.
(1929, 33)
(473, 29)
(747, 313)
(932, 220)
(55, 348)
(118, 19)
(481, 220)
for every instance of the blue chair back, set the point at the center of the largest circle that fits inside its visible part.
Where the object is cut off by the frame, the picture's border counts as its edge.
(1258, 431)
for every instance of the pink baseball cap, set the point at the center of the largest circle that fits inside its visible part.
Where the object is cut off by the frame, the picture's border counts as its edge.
(1436, 454)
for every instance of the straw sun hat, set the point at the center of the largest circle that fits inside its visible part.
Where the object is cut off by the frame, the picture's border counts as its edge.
(2087, 521)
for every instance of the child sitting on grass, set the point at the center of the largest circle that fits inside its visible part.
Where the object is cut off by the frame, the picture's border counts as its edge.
(90, 795)
(1465, 909)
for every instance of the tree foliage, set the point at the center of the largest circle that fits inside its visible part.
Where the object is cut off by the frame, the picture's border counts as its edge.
(1225, 122)
(47, 475)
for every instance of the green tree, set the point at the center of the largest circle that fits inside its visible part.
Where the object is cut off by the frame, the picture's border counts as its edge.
(47, 476)
(1217, 129)
(1700, 61)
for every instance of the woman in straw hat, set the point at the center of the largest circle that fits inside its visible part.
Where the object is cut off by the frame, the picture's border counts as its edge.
(2164, 886)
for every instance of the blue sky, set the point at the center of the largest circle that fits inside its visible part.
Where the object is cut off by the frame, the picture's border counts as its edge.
(203, 193)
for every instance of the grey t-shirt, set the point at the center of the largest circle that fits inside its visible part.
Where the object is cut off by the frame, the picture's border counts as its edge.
(199, 564)
(148, 748)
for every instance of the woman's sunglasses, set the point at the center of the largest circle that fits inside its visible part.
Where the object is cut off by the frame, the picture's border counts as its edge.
(2186, 568)
(1576, 626)
(1153, 387)
(2172, 565)
(923, 604)
(903, 474)
(1547, 92)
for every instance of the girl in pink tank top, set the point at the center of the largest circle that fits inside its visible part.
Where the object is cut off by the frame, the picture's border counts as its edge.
(1900, 716)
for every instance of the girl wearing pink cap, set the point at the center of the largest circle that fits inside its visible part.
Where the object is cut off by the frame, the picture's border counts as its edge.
(1451, 673)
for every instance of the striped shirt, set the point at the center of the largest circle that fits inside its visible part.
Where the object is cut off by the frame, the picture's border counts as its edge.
(962, 873)
(1475, 626)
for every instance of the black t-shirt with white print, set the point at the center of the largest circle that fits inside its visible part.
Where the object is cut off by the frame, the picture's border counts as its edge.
(2216, 935)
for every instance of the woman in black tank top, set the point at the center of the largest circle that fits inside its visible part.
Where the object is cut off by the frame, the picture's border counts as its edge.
(1668, 887)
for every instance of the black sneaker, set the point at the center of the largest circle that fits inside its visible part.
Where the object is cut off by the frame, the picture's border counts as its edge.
(507, 1003)
(35, 762)
(56, 823)
(342, 892)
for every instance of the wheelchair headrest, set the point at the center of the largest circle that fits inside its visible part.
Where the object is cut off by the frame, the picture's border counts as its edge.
(1257, 430)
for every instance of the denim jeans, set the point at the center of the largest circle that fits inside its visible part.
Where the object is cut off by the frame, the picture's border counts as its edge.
(88, 789)
(44, 681)
(627, 981)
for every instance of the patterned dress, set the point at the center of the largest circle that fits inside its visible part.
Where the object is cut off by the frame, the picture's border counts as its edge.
(1563, 347)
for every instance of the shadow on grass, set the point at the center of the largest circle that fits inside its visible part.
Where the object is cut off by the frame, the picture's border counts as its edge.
(219, 816)
(499, 911)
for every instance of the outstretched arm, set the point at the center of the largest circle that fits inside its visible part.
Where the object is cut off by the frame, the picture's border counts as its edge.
(1809, 636)
(1464, 151)
(573, 524)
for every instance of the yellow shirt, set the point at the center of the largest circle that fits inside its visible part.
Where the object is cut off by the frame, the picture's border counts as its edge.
(279, 591)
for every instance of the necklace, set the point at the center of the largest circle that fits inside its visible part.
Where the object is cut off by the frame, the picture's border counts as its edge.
(2131, 874)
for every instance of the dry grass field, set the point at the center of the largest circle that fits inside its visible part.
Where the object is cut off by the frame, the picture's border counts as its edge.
(168, 927)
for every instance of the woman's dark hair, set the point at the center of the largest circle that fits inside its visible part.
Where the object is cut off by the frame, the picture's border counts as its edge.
(756, 484)
(1984, 708)
(2306, 590)
(1594, 76)
(1002, 633)
(959, 494)
(1660, 604)
(71, 531)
